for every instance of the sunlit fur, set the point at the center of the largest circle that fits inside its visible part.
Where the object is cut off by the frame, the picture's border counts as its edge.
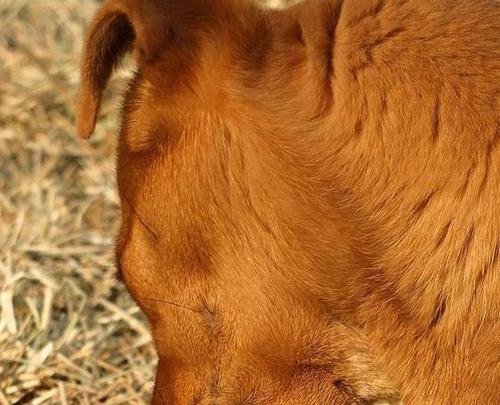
(310, 196)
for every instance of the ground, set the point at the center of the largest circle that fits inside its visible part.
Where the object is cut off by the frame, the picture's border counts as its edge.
(69, 333)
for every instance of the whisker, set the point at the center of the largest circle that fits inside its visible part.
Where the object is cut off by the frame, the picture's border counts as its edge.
(175, 304)
(146, 226)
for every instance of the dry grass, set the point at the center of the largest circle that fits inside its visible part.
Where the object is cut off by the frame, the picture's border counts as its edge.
(69, 334)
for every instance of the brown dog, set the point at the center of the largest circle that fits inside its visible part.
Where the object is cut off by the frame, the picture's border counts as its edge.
(310, 197)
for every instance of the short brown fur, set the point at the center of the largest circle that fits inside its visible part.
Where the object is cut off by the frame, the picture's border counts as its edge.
(310, 196)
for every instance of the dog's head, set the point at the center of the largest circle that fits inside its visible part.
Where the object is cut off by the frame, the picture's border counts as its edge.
(214, 245)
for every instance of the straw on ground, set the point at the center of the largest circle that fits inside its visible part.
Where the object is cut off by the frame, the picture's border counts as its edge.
(69, 334)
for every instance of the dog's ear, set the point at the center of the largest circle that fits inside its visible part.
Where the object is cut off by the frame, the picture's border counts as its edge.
(118, 27)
